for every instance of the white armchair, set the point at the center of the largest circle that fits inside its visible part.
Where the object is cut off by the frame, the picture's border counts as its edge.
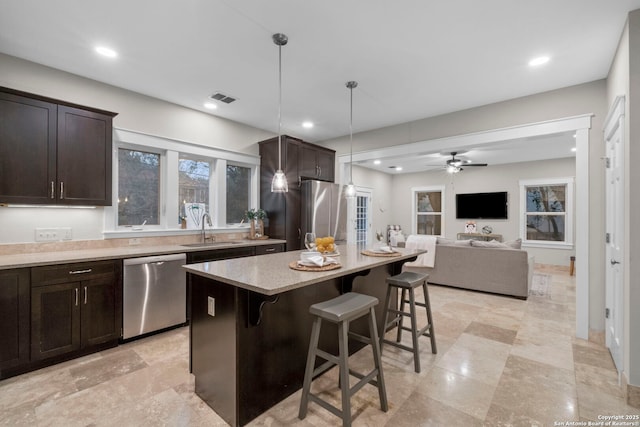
(395, 237)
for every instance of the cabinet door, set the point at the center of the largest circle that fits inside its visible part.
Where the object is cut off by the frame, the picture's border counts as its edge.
(55, 320)
(293, 220)
(326, 165)
(308, 163)
(101, 309)
(84, 157)
(14, 318)
(27, 149)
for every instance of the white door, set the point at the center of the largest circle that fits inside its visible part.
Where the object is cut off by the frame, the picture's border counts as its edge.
(614, 188)
(363, 217)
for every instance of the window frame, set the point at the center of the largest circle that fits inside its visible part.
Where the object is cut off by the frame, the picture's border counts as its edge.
(569, 213)
(170, 150)
(414, 207)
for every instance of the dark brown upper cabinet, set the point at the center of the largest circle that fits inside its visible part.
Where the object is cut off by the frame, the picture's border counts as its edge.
(317, 162)
(53, 152)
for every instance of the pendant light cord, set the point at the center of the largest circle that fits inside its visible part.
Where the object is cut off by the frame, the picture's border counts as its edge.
(279, 107)
(351, 136)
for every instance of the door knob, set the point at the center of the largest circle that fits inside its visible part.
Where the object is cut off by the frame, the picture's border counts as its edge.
(614, 262)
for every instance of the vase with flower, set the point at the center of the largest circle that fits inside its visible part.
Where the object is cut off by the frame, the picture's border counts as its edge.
(256, 219)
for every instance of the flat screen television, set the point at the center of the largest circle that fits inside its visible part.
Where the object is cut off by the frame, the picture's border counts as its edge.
(482, 205)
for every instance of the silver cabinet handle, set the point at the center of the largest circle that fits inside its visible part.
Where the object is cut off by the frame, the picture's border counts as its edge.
(53, 190)
(88, 270)
(614, 262)
(85, 295)
(61, 190)
(76, 292)
(270, 249)
(320, 171)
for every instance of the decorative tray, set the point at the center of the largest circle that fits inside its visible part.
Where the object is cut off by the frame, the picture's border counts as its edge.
(374, 253)
(294, 266)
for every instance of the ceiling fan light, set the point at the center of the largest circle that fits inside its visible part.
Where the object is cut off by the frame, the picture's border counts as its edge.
(453, 168)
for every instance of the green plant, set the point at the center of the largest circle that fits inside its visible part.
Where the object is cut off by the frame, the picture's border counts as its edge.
(256, 214)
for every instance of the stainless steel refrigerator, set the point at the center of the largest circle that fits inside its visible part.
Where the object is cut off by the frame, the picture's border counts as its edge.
(324, 210)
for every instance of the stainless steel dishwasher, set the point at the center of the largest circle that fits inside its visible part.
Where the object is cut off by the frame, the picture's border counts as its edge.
(155, 294)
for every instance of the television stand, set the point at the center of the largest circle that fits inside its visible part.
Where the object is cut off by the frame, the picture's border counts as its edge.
(479, 236)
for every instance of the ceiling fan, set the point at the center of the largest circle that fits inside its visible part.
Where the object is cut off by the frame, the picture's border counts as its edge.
(455, 165)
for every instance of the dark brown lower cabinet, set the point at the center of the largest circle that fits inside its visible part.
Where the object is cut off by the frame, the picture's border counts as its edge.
(75, 307)
(14, 318)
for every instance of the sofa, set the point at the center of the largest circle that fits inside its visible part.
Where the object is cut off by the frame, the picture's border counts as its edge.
(493, 267)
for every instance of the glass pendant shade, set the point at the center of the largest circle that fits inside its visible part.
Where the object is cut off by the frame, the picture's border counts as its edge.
(279, 182)
(350, 190)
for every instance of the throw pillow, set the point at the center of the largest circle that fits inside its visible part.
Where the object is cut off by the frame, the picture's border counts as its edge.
(490, 244)
(515, 244)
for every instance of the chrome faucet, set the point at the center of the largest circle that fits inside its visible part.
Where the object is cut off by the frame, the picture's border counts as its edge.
(206, 217)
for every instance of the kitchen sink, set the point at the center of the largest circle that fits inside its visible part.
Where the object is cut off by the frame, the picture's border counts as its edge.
(210, 244)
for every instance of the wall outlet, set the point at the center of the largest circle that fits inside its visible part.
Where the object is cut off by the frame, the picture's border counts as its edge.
(211, 306)
(53, 234)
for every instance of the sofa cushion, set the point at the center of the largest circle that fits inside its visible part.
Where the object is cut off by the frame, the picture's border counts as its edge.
(490, 244)
(443, 241)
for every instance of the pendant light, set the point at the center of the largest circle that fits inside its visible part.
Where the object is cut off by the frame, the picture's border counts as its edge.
(279, 181)
(350, 189)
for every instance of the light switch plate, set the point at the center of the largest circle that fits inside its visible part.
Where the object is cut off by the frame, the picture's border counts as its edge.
(211, 306)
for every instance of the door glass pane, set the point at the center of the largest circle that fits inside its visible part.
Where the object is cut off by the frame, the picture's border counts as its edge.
(546, 227)
(238, 191)
(193, 182)
(138, 187)
(430, 224)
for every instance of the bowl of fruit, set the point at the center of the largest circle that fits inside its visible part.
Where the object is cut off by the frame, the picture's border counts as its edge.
(326, 245)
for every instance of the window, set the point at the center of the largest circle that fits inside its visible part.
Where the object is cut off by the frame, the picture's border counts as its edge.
(193, 182)
(547, 207)
(428, 209)
(238, 192)
(138, 187)
(153, 178)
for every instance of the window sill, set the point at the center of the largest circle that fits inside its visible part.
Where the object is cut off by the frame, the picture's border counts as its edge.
(548, 245)
(161, 232)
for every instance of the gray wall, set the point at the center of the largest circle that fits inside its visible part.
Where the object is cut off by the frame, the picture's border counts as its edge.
(135, 112)
(473, 180)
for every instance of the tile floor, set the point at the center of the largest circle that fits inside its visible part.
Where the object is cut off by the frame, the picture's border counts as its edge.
(500, 362)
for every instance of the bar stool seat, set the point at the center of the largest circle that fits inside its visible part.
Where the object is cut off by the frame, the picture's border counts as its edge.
(342, 310)
(408, 281)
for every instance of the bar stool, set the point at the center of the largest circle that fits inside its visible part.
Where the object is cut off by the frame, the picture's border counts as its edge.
(408, 281)
(342, 310)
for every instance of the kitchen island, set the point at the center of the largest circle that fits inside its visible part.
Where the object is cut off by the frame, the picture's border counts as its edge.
(250, 324)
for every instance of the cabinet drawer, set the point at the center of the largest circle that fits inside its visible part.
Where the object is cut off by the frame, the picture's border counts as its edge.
(269, 249)
(52, 274)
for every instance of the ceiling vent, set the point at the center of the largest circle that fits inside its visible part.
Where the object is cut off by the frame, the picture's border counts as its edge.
(222, 98)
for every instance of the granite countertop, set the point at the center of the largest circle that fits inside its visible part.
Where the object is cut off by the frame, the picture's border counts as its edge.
(270, 274)
(47, 258)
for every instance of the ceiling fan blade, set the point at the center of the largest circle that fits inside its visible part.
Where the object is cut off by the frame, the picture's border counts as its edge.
(474, 164)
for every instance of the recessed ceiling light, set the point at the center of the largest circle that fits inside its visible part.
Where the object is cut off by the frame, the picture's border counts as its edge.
(210, 105)
(307, 125)
(398, 168)
(105, 51)
(376, 162)
(540, 60)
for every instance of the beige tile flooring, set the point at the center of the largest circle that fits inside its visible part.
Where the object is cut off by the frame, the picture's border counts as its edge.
(500, 362)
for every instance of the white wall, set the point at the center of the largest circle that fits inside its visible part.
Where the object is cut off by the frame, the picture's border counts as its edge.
(135, 112)
(381, 204)
(624, 79)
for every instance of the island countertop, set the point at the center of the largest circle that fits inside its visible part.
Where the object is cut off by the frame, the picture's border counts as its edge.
(271, 275)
